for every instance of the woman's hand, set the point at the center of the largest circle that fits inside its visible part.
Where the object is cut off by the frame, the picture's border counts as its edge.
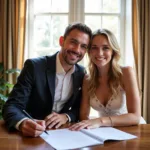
(88, 124)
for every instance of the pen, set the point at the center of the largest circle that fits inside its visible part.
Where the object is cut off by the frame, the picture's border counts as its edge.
(31, 118)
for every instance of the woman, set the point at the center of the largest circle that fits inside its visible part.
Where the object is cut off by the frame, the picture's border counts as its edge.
(108, 88)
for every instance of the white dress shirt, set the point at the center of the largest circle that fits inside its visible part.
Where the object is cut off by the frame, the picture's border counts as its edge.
(63, 86)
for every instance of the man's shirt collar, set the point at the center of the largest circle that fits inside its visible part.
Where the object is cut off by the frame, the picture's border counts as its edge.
(60, 69)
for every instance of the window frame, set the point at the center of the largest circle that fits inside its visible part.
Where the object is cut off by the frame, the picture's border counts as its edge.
(76, 14)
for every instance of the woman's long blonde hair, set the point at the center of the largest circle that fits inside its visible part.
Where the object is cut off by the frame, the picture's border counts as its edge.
(114, 72)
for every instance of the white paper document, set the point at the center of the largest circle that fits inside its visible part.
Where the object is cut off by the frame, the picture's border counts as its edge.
(64, 139)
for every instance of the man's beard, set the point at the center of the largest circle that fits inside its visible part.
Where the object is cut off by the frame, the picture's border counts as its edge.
(69, 62)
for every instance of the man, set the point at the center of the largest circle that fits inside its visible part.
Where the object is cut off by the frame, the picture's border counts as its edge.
(49, 87)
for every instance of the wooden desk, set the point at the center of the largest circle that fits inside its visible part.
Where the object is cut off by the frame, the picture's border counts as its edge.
(15, 141)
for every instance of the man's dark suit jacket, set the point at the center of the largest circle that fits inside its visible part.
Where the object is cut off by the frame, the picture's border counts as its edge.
(35, 90)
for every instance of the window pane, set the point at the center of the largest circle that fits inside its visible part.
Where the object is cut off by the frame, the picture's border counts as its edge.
(42, 25)
(58, 28)
(111, 23)
(43, 52)
(93, 6)
(48, 29)
(102, 6)
(60, 6)
(42, 6)
(111, 6)
(94, 22)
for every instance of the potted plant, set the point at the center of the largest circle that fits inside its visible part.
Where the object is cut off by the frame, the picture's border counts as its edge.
(5, 86)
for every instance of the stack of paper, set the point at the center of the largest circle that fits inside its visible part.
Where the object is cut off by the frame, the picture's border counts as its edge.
(63, 139)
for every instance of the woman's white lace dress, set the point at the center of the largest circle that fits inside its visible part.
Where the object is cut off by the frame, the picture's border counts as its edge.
(115, 106)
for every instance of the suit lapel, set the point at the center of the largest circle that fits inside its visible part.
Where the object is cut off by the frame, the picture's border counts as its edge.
(76, 83)
(51, 74)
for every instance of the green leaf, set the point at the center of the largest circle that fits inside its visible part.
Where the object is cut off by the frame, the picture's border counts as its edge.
(9, 85)
(3, 97)
(2, 102)
(3, 88)
(12, 71)
(6, 85)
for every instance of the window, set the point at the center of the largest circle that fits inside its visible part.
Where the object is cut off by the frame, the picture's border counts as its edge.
(48, 19)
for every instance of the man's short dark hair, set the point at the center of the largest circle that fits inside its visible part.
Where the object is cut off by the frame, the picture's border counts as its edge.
(79, 26)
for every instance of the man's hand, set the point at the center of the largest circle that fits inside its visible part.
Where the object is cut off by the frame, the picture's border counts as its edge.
(32, 128)
(55, 120)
